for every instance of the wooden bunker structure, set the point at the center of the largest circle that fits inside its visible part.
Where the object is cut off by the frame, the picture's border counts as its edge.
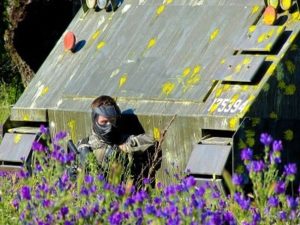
(215, 64)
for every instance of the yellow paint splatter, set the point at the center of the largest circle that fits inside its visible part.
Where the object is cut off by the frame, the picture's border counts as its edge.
(96, 34)
(255, 9)
(223, 61)
(288, 135)
(168, 87)
(290, 89)
(235, 98)
(214, 34)
(245, 88)
(271, 69)
(214, 107)
(160, 9)
(246, 60)
(44, 91)
(194, 79)
(219, 92)
(72, 127)
(271, 58)
(226, 87)
(268, 47)
(17, 138)
(186, 71)
(26, 117)
(233, 122)
(169, 2)
(197, 69)
(238, 68)
(290, 66)
(156, 133)
(273, 116)
(123, 79)
(292, 38)
(265, 36)
(151, 43)
(251, 29)
(101, 45)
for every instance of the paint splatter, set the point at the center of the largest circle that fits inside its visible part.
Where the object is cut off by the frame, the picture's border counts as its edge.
(156, 133)
(255, 9)
(72, 127)
(123, 80)
(214, 34)
(168, 87)
(233, 122)
(151, 43)
(44, 91)
(186, 71)
(17, 138)
(26, 117)
(101, 45)
(160, 9)
(96, 34)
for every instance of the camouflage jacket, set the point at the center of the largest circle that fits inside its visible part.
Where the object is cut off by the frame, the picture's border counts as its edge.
(133, 144)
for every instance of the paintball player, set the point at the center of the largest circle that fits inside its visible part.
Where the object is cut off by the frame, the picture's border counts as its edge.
(107, 140)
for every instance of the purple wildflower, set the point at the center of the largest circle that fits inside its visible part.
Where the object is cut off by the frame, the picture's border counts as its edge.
(279, 187)
(246, 154)
(243, 201)
(37, 146)
(146, 180)
(291, 202)
(59, 136)
(277, 145)
(290, 169)
(282, 215)
(256, 166)
(25, 192)
(237, 179)
(64, 211)
(46, 203)
(266, 139)
(43, 129)
(88, 179)
(189, 182)
(273, 201)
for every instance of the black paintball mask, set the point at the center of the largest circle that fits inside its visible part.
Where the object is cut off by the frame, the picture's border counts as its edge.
(108, 132)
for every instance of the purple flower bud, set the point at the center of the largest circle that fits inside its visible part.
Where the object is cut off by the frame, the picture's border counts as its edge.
(246, 154)
(266, 139)
(237, 179)
(277, 145)
(189, 182)
(64, 211)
